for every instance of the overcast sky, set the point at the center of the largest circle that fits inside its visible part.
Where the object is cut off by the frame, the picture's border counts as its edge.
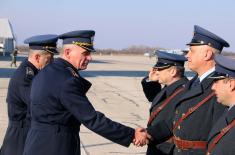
(123, 23)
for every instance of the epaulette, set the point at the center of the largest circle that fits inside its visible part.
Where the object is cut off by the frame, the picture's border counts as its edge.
(75, 74)
(29, 72)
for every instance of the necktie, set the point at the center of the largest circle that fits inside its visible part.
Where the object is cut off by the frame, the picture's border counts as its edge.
(195, 82)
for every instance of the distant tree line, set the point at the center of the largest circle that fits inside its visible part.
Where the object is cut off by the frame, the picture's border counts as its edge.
(135, 50)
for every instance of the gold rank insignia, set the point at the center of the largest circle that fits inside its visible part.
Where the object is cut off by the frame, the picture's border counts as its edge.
(82, 44)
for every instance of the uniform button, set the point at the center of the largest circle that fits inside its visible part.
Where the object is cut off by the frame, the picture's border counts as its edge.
(177, 112)
(178, 127)
(174, 122)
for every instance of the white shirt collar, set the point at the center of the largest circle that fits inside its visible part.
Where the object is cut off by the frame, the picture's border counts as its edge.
(230, 107)
(203, 76)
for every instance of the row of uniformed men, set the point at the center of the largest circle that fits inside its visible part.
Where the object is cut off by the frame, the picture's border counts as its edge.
(182, 113)
(197, 116)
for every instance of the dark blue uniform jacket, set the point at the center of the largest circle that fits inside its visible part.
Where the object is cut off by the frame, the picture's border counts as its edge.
(59, 106)
(150, 88)
(18, 100)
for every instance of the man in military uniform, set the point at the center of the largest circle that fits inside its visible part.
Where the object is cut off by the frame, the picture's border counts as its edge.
(222, 136)
(58, 112)
(168, 71)
(196, 110)
(41, 52)
(13, 57)
(151, 86)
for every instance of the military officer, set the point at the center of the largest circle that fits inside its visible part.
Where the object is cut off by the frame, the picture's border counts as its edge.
(197, 109)
(222, 136)
(42, 48)
(58, 112)
(13, 57)
(170, 73)
(151, 86)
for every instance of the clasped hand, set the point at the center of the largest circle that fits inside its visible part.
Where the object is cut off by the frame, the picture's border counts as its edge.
(141, 137)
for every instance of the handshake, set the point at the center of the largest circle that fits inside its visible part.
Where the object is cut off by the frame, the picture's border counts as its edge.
(141, 137)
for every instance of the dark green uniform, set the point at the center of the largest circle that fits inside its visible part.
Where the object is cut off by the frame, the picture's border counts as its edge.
(13, 57)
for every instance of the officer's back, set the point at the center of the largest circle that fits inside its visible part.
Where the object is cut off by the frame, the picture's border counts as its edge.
(42, 49)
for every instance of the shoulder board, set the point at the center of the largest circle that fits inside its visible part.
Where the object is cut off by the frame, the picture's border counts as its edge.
(29, 72)
(73, 72)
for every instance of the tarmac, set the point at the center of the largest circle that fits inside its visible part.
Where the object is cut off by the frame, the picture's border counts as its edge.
(116, 91)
